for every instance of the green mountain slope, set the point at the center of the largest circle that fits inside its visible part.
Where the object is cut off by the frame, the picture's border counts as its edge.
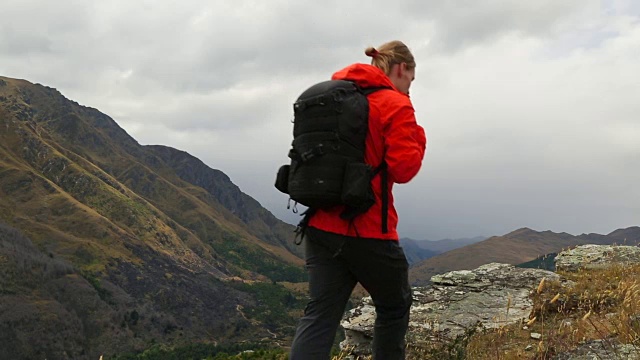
(159, 232)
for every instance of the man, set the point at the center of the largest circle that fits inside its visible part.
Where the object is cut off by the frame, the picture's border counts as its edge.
(340, 253)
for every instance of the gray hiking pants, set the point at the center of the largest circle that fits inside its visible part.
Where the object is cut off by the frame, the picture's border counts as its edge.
(335, 264)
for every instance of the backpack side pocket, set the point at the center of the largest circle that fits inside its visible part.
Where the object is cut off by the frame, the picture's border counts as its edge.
(282, 179)
(356, 188)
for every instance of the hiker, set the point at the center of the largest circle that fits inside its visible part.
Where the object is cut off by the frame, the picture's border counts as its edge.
(365, 249)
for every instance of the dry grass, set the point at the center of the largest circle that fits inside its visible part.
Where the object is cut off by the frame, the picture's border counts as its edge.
(600, 305)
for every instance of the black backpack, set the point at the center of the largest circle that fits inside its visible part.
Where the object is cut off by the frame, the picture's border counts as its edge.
(331, 121)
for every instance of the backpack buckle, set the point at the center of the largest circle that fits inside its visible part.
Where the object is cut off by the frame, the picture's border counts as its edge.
(311, 153)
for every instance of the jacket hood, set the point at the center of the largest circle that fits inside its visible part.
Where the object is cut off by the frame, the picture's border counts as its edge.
(364, 75)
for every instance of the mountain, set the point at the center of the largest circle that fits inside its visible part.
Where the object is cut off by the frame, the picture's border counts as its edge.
(441, 246)
(418, 250)
(127, 245)
(414, 252)
(517, 247)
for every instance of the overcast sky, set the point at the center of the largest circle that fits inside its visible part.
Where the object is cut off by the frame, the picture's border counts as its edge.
(532, 108)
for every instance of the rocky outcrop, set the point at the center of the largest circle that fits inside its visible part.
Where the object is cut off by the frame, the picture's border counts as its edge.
(491, 296)
(596, 256)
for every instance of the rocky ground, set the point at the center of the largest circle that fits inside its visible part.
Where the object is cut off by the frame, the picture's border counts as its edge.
(493, 296)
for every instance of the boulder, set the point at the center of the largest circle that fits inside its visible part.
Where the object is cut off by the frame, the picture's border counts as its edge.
(596, 256)
(490, 296)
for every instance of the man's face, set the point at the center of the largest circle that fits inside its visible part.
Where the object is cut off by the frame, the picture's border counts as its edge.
(407, 79)
(402, 77)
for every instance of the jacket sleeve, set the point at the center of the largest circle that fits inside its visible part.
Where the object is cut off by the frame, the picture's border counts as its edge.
(405, 142)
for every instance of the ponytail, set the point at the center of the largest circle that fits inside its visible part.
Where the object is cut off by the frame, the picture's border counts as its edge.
(389, 54)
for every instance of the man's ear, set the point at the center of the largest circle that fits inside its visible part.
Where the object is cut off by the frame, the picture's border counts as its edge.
(398, 69)
(402, 68)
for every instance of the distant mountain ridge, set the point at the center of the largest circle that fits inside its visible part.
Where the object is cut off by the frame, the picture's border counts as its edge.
(147, 230)
(517, 247)
(414, 252)
(418, 250)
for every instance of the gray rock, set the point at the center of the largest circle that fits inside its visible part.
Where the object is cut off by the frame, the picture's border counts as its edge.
(596, 256)
(491, 296)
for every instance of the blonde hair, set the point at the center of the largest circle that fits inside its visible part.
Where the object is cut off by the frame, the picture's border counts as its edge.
(389, 54)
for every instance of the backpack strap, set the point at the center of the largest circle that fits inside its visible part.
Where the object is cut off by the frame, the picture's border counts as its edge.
(302, 226)
(384, 177)
(381, 168)
(370, 90)
(385, 194)
(307, 155)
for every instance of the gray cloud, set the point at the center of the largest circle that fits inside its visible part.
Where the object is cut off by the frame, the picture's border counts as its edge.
(530, 108)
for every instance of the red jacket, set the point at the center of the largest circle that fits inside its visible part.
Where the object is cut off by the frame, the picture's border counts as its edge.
(394, 135)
